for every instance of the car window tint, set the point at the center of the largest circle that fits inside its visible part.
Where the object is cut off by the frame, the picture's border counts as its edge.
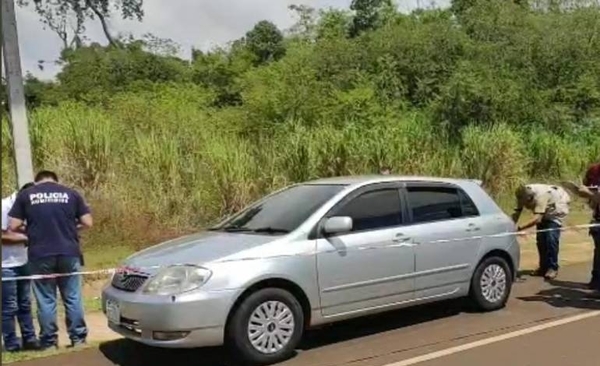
(434, 203)
(468, 206)
(373, 210)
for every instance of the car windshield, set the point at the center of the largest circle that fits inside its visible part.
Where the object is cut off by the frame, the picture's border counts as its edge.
(282, 212)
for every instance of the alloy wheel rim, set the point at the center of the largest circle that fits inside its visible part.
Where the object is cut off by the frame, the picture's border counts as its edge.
(493, 283)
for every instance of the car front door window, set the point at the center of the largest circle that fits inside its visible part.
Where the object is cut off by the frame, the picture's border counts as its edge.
(374, 210)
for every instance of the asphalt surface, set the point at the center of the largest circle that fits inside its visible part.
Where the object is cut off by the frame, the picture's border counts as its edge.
(403, 335)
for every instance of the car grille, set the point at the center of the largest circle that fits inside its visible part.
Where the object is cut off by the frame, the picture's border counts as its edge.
(128, 282)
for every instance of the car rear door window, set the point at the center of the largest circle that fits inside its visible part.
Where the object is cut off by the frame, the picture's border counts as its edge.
(469, 208)
(374, 210)
(434, 203)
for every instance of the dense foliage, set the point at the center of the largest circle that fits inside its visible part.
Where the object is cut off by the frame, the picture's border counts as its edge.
(491, 89)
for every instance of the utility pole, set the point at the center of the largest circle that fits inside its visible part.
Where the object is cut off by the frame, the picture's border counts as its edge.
(16, 93)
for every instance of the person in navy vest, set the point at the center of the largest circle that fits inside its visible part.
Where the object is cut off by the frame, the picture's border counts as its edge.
(53, 215)
(16, 294)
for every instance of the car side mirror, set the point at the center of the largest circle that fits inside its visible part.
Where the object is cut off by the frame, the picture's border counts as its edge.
(337, 225)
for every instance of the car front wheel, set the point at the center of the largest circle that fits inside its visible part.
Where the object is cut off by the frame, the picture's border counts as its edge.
(266, 327)
(491, 284)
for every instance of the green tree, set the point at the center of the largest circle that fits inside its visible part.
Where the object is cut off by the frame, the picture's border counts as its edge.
(220, 71)
(333, 23)
(39, 92)
(265, 41)
(94, 73)
(368, 14)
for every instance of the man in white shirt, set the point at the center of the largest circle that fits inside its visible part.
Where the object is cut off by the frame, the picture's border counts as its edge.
(16, 295)
(550, 207)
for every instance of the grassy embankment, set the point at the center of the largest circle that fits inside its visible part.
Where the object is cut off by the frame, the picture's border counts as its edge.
(156, 165)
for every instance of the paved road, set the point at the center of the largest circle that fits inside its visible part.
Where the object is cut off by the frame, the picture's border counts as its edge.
(391, 338)
(571, 344)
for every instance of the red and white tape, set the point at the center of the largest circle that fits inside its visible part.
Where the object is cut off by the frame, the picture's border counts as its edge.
(110, 271)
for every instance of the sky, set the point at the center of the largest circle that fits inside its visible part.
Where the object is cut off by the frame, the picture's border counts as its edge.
(201, 24)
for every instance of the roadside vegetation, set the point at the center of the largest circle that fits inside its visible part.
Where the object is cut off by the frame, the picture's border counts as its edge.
(502, 91)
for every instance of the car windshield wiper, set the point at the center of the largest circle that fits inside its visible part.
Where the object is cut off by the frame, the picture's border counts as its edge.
(270, 230)
(230, 229)
(236, 229)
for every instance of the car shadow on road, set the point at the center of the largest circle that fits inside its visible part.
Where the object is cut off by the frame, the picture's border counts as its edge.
(566, 294)
(123, 352)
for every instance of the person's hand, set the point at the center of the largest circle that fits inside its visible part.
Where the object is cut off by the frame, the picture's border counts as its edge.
(20, 236)
(13, 237)
(522, 233)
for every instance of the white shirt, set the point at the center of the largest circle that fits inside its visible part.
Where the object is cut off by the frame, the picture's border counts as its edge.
(554, 200)
(13, 255)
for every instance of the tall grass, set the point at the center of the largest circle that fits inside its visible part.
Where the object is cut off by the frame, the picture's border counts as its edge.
(157, 165)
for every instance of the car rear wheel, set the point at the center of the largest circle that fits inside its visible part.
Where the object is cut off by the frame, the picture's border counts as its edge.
(491, 284)
(266, 327)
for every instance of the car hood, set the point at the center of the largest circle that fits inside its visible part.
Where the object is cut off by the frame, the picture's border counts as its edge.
(195, 249)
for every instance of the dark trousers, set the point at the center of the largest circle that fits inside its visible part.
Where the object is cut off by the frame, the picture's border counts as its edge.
(548, 242)
(70, 291)
(595, 232)
(16, 303)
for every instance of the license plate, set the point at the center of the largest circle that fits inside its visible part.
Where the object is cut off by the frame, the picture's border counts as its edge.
(113, 312)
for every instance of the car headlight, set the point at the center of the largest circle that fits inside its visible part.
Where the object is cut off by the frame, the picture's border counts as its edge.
(177, 279)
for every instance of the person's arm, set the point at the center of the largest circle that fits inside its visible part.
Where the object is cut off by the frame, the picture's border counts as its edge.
(12, 238)
(83, 213)
(517, 212)
(85, 222)
(541, 205)
(16, 215)
(15, 224)
(579, 190)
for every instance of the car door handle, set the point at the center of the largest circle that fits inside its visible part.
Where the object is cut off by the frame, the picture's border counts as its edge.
(400, 238)
(473, 227)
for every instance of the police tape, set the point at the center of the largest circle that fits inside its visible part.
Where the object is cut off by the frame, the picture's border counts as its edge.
(111, 271)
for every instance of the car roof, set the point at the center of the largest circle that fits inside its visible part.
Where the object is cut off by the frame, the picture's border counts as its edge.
(360, 180)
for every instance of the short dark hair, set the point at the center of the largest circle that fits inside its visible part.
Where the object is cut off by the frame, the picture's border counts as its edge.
(46, 174)
(26, 185)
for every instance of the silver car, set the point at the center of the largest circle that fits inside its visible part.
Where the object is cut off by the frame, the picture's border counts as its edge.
(316, 253)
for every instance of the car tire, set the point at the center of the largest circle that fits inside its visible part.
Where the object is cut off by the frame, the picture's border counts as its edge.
(491, 284)
(276, 317)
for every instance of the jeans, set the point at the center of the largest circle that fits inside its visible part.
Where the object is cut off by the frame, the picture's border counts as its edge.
(595, 232)
(16, 303)
(548, 245)
(70, 292)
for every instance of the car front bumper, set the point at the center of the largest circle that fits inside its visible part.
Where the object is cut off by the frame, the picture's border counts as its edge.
(199, 317)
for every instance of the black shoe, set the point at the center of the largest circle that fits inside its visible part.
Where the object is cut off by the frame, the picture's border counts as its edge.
(12, 350)
(593, 285)
(32, 346)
